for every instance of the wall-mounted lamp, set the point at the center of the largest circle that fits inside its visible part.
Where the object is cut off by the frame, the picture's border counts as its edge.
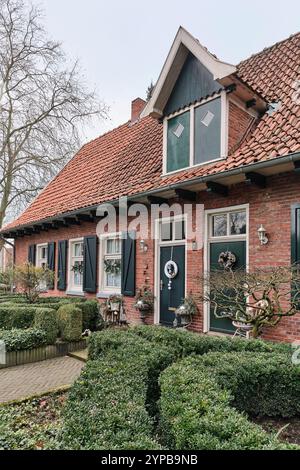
(262, 235)
(194, 245)
(143, 246)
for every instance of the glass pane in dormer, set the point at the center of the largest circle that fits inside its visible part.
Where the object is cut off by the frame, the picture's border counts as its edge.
(178, 145)
(208, 131)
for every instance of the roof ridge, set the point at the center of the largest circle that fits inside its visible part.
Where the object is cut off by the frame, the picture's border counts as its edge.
(269, 48)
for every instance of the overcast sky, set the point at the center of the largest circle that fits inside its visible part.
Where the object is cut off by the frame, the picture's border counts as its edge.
(122, 45)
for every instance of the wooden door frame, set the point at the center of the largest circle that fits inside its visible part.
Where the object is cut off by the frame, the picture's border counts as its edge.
(158, 245)
(208, 241)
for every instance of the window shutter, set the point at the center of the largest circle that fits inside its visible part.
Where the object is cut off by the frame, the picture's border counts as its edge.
(90, 264)
(128, 264)
(295, 235)
(51, 260)
(62, 265)
(31, 254)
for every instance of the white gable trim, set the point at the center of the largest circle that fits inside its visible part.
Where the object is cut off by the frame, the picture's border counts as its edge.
(183, 43)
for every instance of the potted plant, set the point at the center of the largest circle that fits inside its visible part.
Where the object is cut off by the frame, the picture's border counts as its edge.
(114, 302)
(186, 311)
(144, 301)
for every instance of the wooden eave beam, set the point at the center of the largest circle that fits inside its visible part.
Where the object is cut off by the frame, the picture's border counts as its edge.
(85, 217)
(257, 179)
(217, 188)
(157, 200)
(187, 195)
(297, 167)
(71, 220)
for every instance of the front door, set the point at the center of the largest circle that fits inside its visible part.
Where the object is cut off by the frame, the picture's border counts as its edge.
(238, 248)
(172, 289)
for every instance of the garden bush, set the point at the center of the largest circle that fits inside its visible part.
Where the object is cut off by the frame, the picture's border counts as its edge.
(113, 403)
(69, 322)
(16, 316)
(197, 400)
(46, 319)
(18, 340)
(90, 314)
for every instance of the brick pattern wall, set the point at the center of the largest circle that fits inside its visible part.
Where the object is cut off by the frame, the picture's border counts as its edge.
(270, 206)
(239, 122)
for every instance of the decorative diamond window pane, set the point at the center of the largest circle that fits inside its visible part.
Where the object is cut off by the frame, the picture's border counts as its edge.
(178, 142)
(238, 223)
(178, 130)
(208, 118)
(208, 131)
(219, 225)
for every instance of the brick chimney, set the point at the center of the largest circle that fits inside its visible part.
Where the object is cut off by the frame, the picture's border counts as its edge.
(137, 107)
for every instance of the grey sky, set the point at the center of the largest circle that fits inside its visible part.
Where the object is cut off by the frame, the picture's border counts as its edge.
(122, 44)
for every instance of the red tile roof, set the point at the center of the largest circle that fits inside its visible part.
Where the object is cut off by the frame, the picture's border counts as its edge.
(128, 159)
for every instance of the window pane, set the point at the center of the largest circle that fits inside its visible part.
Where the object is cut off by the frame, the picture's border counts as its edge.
(110, 246)
(78, 249)
(208, 131)
(113, 280)
(78, 266)
(178, 145)
(219, 225)
(179, 228)
(238, 223)
(166, 232)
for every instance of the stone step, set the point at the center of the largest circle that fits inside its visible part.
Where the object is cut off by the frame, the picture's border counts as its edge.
(80, 355)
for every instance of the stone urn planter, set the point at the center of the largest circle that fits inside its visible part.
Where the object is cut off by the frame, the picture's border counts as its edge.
(144, 303)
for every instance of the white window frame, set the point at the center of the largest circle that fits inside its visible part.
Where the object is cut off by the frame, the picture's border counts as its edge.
(209, 239)
(105, 291)
(71, 287)
(191, 109)
(39, 261)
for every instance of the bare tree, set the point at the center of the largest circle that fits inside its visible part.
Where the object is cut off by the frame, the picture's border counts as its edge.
(43, 103)
(260, 298)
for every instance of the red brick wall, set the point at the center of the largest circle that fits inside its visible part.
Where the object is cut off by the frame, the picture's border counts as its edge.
(270, 206)
(239, 122)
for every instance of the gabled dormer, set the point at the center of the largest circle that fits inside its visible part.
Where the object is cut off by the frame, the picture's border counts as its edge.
(205, 108)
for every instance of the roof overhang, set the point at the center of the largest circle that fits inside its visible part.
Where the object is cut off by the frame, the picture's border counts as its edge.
(183, 43)
(225, 178)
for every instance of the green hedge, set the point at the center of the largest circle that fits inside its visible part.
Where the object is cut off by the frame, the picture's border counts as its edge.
(111, 405)
(15, 316)
(197, 397)
(90, 314)
(46, 319)
(18, 340)
(70, 322)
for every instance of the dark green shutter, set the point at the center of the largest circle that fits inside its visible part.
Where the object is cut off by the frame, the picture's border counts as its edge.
(31, 254)
(62, 265)
(128, 264)
(295, 234)
(90, 264)
(51, 260)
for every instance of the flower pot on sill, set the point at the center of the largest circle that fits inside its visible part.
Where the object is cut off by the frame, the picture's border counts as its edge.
(241, 325)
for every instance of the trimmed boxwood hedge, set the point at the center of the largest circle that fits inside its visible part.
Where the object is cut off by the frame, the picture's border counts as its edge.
(198, 394)
(18, 340)
(69, 322)
(114, 402)
(111, 405)
(90, 314)
(15, 316)
(46, 319)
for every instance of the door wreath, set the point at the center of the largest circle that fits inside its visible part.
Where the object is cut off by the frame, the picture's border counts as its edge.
(227, 260)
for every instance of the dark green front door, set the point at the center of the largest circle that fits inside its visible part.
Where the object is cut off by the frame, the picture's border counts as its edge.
(224, 325)
(170, 299)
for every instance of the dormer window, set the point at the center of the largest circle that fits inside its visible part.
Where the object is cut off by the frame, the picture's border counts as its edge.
(196, 135)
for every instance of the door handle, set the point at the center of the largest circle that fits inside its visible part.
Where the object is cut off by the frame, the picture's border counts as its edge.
(161, 284)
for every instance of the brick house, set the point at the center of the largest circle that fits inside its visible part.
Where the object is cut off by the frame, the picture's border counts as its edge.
(221, 138)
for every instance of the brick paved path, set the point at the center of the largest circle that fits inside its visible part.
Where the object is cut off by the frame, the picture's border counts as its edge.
(32, 379)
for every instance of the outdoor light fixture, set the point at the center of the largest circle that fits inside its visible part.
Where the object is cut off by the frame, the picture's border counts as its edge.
(143, 246)
(194, 245)
(262, 235)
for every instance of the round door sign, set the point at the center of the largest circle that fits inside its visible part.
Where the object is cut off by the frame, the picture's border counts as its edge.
(171, 269)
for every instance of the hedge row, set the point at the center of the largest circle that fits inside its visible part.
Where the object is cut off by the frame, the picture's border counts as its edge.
(112, 404)
(22, 316)
(18, 340)
(197, 397)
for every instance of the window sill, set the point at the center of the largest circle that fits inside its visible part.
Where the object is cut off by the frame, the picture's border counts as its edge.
(75, 293)
(106, 295)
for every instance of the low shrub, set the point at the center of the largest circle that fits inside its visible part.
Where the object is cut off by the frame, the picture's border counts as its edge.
(111, 405)
(46, 319)
(69, 322)
(16, 316)
(90, 314)
(197, 411)
(18, 340)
